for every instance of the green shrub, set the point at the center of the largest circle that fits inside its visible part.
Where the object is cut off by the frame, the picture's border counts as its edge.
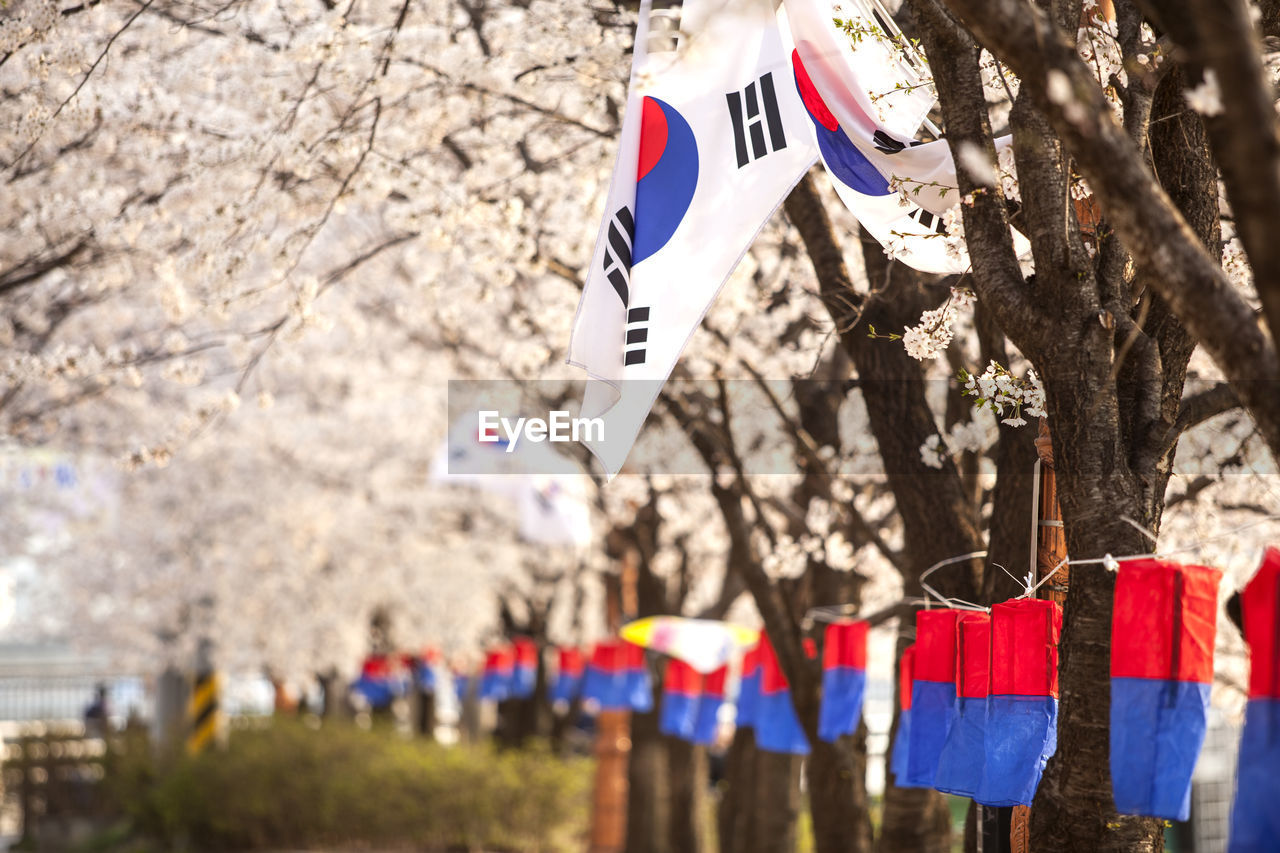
(287, 786)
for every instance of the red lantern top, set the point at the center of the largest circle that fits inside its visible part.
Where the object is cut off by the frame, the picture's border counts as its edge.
(772, 679)
(906, 673)
(571, 662)
(936, 645)
(682, 678)
(845, 645)
(1261, 603)
(973, 655)
(1024, 647)
(713, 682)
(1164, 621)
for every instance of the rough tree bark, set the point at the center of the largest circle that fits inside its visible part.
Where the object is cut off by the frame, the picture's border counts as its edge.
(1112, 358)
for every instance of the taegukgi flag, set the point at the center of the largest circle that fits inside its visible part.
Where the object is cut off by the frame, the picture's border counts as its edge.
(712, 141)
(866, 94)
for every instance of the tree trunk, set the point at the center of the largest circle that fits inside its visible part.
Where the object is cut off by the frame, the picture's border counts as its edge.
(687, 765)
(735, 818)
(777, 803)
(648, 797)
(838, 795)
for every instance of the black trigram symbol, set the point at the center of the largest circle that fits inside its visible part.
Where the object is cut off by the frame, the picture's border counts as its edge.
(748, 123)
(888, 145)
(617, 253)
(928, 220)
(637, 333)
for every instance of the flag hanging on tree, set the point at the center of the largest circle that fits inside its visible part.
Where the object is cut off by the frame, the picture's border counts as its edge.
(866, 92)
(778, 728)
(1022, 710)
(902, 741)
(749, 688)
(1162, 632)
(1255, 817)
(379, 683)
(963, 754)
(933, 693)
(844, 679)
(710, 147)
(524, 673)
(495, 678)
(704, 727)
(568, 674)
(681, 691)
(617, 677)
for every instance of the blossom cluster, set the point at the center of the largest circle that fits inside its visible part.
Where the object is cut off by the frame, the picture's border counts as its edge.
(933, 334)
(1008, 396)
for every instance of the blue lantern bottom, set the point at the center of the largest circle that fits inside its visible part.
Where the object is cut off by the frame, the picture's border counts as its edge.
(901, 750)
(933, 706)
(777, 726)
(679, 714)
(1022, 735)
(842, 692)
(964, 753)
(704, 728)
(748, 701)
(1255, 816)
(1157, 729)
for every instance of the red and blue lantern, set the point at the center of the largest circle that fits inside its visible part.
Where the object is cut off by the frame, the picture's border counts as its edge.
(1162, 633)
(461, 684)
(617, 678)
(844, 679)
(681, 694)
(568, 674)
(380, 683)
(933, 694)
(1255, 816)
(1022, 710)
(496, 677)
(524, 673)
(963, 754)
(778, 728)
(704, 728)
(902, 742)
(639, 683)
(749, 689)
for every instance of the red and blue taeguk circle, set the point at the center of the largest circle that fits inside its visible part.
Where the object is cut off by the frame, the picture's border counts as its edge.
(842, 157)
(666, 177)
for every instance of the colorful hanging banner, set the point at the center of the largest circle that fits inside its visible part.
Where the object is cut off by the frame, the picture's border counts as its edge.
(380, 682)
(495, 678)
(704, 728)
(1162, 633)
(778, 728)
(933, 693)
(1255, 816)
(749, 689)
(524, 674)
(902, 741)
(963, 754)
(1022, 710)
(568, 674)
(844, 679)
(681, 692)
(617, 678)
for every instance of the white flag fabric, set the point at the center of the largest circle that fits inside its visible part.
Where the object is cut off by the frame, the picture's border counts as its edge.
(712, 141)
(866, 97)
(550, 498)
(555, 511)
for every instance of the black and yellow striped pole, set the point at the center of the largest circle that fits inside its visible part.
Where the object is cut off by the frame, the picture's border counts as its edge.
(204, 711)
